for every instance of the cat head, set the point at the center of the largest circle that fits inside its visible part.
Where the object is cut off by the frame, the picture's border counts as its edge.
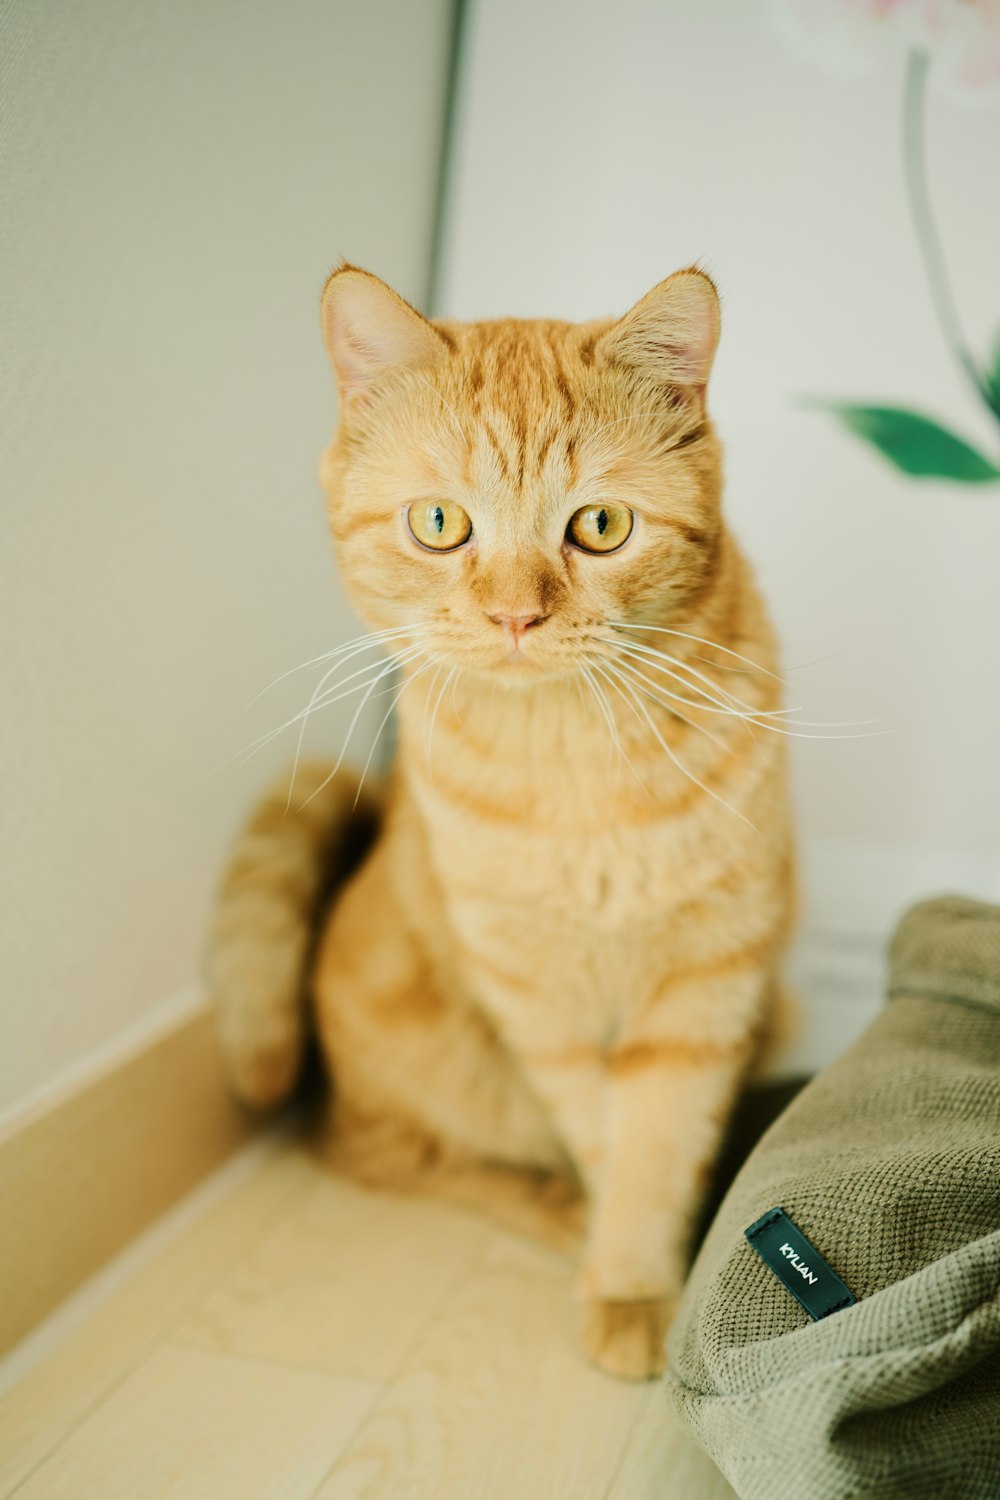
(512, 488)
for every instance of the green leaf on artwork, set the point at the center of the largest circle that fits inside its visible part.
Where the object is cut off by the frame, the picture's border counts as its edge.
(993, 373)
(917, 445)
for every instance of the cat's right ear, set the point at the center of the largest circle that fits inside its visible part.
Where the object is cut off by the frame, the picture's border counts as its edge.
(370, 331)
(671, 334)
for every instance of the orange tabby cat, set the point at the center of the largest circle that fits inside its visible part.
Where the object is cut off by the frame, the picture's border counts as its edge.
(560, 953)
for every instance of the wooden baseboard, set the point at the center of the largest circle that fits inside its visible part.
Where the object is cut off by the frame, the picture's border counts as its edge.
(83, 1174)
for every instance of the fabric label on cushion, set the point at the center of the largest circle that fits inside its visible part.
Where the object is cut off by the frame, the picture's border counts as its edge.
(785, 1250)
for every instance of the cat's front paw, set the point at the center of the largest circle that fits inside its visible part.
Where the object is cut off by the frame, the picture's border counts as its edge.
(625, 1337)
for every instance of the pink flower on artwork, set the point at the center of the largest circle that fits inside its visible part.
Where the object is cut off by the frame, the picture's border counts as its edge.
(962, 37)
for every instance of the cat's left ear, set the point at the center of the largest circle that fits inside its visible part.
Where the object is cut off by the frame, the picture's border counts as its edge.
(671, 334)
(370, 332)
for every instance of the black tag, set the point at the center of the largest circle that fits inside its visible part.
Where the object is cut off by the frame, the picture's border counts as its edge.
(798, 1264)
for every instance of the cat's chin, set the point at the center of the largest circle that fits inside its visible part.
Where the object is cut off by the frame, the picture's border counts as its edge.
(522, 673)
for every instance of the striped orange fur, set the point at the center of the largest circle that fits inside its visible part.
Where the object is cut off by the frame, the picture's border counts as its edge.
(561, 953)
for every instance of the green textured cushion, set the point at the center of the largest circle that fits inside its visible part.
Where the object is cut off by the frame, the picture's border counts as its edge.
(889, 1163)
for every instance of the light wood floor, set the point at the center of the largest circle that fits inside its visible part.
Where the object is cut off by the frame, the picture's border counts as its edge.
(305, 1340)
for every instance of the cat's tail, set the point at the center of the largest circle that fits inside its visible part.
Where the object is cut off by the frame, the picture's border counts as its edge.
(288, 862)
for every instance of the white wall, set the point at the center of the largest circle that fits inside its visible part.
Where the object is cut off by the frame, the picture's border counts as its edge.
(600, 147)
(175, 181)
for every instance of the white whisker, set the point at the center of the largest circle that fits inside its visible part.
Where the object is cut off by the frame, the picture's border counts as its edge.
(385, 719)
(388, 667)
(454, 685)
(871, 734)
(652, 690)
(333, 695)
(702, 640)
(437, 705)
(438, 668)
(727, 651)
(701, 677)
(601, 699)
(718, 666)
(683, 768)
(360, 643)
(655, 658)
(609, 676)
(312, 705)
(764, 720)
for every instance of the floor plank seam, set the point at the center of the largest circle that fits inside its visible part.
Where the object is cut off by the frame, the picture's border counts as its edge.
(129, 1369)
(161, 1336)
(619, 1464)
(402, 1363)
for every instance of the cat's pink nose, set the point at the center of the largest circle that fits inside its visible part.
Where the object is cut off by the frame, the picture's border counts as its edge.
(516, 625)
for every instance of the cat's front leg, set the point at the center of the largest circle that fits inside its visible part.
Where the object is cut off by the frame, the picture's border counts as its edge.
(669, 1093)
(572, 1081)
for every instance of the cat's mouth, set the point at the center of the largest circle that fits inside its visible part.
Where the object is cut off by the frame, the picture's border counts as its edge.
(514, 656)
(528, 660)
(523, 650)
(525, 653)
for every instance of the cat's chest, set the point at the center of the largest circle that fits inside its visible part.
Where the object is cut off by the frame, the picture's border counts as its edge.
(611, 878)
(552, 821)
(538, 916)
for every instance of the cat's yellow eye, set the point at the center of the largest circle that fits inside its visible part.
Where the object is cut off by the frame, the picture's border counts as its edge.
(439, 524)
(601, 528)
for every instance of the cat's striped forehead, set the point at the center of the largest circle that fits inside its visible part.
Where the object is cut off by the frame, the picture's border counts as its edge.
(523, 386)
(532, 398)
(525, 364)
